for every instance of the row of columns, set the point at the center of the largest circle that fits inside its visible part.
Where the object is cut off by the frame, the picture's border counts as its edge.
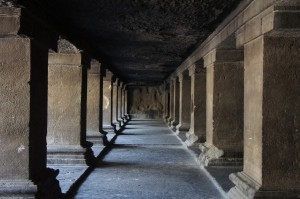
(54, 105)
(244, 110)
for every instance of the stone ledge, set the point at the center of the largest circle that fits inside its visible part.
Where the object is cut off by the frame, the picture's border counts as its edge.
(17, 189)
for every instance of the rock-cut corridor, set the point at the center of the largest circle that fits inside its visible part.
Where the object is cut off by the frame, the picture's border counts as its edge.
(147, 160)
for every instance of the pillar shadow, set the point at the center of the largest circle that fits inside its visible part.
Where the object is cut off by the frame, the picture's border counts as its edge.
(95, 164)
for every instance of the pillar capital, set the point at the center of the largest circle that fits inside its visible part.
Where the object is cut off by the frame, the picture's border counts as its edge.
(223, 55)
(67, 55)
(108, 75)
(196, 69)
(95, 67)
(10, 23)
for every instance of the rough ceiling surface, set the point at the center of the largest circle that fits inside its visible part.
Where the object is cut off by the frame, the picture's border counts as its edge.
(140, 40)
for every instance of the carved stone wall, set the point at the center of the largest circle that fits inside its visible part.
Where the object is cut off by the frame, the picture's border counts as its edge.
(145, 102)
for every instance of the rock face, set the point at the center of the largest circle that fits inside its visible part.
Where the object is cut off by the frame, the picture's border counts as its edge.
(146, 102)
(140, 40)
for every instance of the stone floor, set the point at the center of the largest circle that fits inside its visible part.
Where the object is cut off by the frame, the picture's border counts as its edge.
(147, 160)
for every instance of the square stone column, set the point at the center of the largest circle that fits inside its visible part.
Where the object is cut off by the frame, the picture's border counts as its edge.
(23, 110)
(119, 102)
(126, 105)
(175, 116)
(22, 156)
(184, 103)
(94, 120)
(171, 104)
(166, 101)
(224, 107)
(197, 132)
(107, 98)
(272, 109)
(66, 105)
(124, 101)
(114, 102)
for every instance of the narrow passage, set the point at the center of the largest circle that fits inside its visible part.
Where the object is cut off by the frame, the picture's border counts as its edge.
(148, 161)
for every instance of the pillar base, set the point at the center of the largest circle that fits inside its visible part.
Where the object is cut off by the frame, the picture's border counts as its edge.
(246, 188)
(95, 138)
(181, 129)
(208, 154)
(66, 155)
(108, 128)
(212, 156)
(173, 125)
(191, 139)
(169, 121)
(17, 189)
(120, 122)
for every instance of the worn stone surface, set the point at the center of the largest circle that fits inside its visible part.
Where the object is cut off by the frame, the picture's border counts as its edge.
(14, 128)
(146, 102)
(64, 107)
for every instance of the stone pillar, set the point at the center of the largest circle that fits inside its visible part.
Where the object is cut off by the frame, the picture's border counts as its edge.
(93, 104)
(107, 99)
(271, 108)
(224, 108)
(171, 105)
(119, 102)
(123, 104)
(114, 102)
(166, 101)
(197, 130)
(23, 110)
(126, 105)
(175, 116)
(184, 103)
(66, 105)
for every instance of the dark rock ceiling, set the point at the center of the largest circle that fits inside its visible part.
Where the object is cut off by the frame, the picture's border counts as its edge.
(140, 40)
